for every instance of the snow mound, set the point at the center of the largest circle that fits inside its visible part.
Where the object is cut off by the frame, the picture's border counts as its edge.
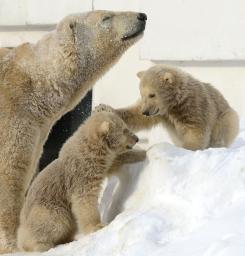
(176, 203)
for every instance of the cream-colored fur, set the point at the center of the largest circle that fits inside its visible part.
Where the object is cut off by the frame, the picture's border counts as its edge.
(41, 82)
(63, 199)
(196, 115)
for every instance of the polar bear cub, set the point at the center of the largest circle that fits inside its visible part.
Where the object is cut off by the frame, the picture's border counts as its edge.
(63, 199)
(196, 114)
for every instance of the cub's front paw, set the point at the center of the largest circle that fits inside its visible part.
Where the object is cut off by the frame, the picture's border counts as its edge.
(100, 226)
(102, 108)
(139, 155)
(92, 228)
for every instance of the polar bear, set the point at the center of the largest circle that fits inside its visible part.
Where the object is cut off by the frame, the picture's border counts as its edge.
(41, 82)
(63, 199)
(196, 114)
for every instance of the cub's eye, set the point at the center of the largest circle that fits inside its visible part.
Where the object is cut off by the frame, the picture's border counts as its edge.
(152, 95)
(125, 131)
(106, 18)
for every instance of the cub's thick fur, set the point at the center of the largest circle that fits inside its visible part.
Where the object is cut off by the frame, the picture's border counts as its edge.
(41, 82)
(63, 199)
(195, 113)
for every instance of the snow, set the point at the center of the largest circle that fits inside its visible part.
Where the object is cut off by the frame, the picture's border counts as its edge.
(176, 203)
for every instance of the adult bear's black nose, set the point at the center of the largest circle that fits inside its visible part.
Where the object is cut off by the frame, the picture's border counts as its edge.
(142, 16)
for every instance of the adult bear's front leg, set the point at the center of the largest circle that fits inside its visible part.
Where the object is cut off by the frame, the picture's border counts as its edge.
(11, 200)
(18, 150)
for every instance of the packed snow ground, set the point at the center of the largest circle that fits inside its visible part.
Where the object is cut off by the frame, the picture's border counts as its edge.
(176, 203)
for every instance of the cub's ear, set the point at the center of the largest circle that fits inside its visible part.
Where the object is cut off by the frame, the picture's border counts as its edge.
(104, 127)
(168, 77)
(140, 74)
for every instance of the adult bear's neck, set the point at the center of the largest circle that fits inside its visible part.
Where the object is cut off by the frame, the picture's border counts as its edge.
(68, 72)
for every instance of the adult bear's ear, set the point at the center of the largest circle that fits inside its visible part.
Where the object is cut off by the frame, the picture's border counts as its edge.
(168, 77)
(140, 74)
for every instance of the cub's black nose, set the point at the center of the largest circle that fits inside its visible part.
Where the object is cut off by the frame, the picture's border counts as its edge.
(142, 16)
(146, 113)
(137, 139)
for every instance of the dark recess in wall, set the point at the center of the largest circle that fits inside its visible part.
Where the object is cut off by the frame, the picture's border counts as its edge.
(64, 128)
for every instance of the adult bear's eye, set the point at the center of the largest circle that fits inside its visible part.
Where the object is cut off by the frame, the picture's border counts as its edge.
(106, 22)
(106, 18)
(152, 95)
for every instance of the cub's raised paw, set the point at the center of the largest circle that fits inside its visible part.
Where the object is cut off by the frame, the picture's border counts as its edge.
(141, 155)
(102, 108)
(138, 155)
(132, 156)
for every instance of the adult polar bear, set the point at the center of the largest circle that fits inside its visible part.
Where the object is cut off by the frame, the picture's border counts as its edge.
(40, 83)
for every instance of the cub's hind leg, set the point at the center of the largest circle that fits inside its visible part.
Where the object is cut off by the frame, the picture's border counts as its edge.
(194, 138)
(43, 229)
(225, 129)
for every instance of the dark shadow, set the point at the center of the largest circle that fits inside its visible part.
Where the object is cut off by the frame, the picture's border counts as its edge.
(118, 191)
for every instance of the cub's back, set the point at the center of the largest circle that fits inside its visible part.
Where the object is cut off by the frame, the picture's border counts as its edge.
(48, 188)
(217, 99)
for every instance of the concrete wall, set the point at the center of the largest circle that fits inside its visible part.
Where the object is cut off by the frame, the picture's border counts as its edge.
(194, 30)
(36, 12)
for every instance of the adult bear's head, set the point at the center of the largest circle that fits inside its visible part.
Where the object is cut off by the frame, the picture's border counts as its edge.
(101, 34)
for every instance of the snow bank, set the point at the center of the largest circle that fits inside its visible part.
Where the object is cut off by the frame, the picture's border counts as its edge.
(177, 203)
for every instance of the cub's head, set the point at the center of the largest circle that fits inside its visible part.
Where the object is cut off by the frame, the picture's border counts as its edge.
(103, 34)
(158, 88)
(109, 129)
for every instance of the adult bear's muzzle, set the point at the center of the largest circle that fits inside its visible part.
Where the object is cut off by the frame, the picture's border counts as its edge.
(138, 29)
